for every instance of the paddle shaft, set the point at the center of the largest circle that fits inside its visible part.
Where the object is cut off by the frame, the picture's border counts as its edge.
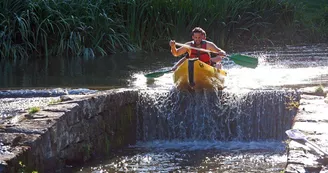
(157, 74)
(297, 135)
(195, 48)
(316, 146)
(242, 60)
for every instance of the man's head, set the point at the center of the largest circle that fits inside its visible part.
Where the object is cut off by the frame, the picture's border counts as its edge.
(198, 34)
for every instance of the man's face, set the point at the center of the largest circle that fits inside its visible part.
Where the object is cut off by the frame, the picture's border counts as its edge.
(197, 37)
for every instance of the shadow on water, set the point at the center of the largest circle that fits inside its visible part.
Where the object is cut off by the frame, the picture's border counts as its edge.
(289, 66)
(179, 159)
(103, 72)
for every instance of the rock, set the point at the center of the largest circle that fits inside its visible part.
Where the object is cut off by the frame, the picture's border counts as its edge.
(65, 98)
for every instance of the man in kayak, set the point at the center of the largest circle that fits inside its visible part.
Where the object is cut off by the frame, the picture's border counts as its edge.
(199, 41)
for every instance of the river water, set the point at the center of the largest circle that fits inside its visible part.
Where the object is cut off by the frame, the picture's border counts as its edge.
(289, 67)
(194, 156)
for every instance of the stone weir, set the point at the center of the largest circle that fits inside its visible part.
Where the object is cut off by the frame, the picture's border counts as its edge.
(250, 116)
(68, 132)
(79, 128)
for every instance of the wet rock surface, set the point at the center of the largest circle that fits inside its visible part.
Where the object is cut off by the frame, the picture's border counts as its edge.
(44, 92)
(10, 107)
(312, 120)
(14, 102)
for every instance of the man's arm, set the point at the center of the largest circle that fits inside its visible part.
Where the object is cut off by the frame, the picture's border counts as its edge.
(212, 47)
(175, 51)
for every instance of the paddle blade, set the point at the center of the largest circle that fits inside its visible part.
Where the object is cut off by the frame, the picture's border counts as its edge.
(295, 134)
(157, 74)
(245, 61)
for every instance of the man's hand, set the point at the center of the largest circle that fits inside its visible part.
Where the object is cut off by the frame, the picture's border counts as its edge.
(172, 43)
(222, 53)
(216, 59)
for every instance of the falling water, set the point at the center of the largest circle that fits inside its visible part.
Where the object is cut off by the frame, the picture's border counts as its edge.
(257, 115)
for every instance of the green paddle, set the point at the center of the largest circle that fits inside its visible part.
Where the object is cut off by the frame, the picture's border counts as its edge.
(243, 60)
(157, 74)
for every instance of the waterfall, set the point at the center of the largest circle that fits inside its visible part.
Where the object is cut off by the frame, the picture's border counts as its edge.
(175, 115)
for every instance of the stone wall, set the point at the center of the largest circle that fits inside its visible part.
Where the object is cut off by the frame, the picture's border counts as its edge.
(69, 132)
(312, 121)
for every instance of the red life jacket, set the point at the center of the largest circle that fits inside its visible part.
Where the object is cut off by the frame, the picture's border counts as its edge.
(203, 56)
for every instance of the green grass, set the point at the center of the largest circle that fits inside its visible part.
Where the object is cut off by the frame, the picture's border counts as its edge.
(24, 169)
(70, 28)
(54, 101)
(91, 28)
(319, 90)
(33, 110)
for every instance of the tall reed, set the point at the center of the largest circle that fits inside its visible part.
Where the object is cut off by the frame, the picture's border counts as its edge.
(311, 19)
(59, 27)
(88, 28)
(224, 20)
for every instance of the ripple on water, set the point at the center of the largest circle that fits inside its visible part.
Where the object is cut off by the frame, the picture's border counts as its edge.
(196, 156)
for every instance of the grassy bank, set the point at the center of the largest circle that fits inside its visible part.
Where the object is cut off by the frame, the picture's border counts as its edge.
(311, 20)
(88, 28)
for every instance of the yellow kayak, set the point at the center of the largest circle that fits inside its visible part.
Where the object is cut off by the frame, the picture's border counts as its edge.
(194, 74)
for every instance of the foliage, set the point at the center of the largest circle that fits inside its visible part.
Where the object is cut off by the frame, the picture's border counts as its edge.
(224, 20)
(292, 103)
(23, 168)
(33, 110)
(88, 28)
(44, 28)
(311, 19)
(319, 90)
(54, 101)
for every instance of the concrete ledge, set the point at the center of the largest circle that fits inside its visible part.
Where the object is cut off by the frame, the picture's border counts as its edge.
(69, 132)
(312, 119)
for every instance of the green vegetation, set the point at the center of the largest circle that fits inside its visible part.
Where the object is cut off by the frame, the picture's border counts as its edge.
(54, 101)
(292, 103)
(311, 19)
(24, 169)
(86, 150)
(107, 145)
(33, 110)
(88, 28)
(319, 90)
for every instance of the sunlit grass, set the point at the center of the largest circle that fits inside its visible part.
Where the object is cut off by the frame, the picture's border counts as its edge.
(319, 90)
(54, 101)
(33, 110)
